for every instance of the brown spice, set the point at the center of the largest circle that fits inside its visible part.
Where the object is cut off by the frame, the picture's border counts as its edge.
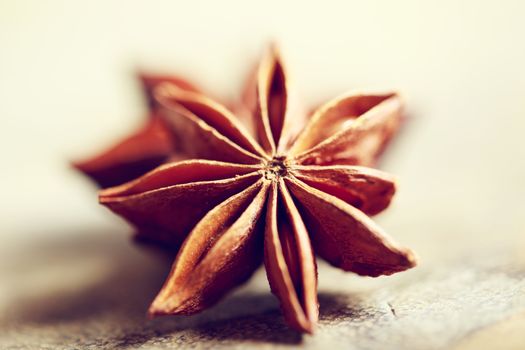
(281, 195)
(144, 150)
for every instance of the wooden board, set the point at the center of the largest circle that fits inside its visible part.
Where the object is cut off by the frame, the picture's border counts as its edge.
(91, 291)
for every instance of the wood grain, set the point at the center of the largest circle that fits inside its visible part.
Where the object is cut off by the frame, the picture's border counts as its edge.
(92, 291)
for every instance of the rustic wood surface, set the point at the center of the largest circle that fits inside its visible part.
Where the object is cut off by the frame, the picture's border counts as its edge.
(92, 290)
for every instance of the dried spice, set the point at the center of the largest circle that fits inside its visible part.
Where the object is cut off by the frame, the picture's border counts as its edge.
(292, 189)
(144, 150)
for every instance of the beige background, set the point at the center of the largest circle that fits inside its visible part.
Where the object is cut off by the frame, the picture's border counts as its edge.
(67, 89)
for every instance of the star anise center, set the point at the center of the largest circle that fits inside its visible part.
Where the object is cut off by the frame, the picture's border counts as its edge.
(275, 168)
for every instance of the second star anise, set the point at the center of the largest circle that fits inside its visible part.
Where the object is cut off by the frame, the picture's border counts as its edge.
(283, 195)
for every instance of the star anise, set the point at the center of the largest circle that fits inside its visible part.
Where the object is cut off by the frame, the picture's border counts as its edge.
(144, 150)
(297, 191)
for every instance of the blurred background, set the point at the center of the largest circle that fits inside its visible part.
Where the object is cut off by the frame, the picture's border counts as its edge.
(68, 90)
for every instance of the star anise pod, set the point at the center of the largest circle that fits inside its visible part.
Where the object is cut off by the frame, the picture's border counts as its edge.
(288, 193)
(144, 150)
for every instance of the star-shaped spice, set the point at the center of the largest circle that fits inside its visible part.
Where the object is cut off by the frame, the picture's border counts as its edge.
(144, 150)
(280, 196)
